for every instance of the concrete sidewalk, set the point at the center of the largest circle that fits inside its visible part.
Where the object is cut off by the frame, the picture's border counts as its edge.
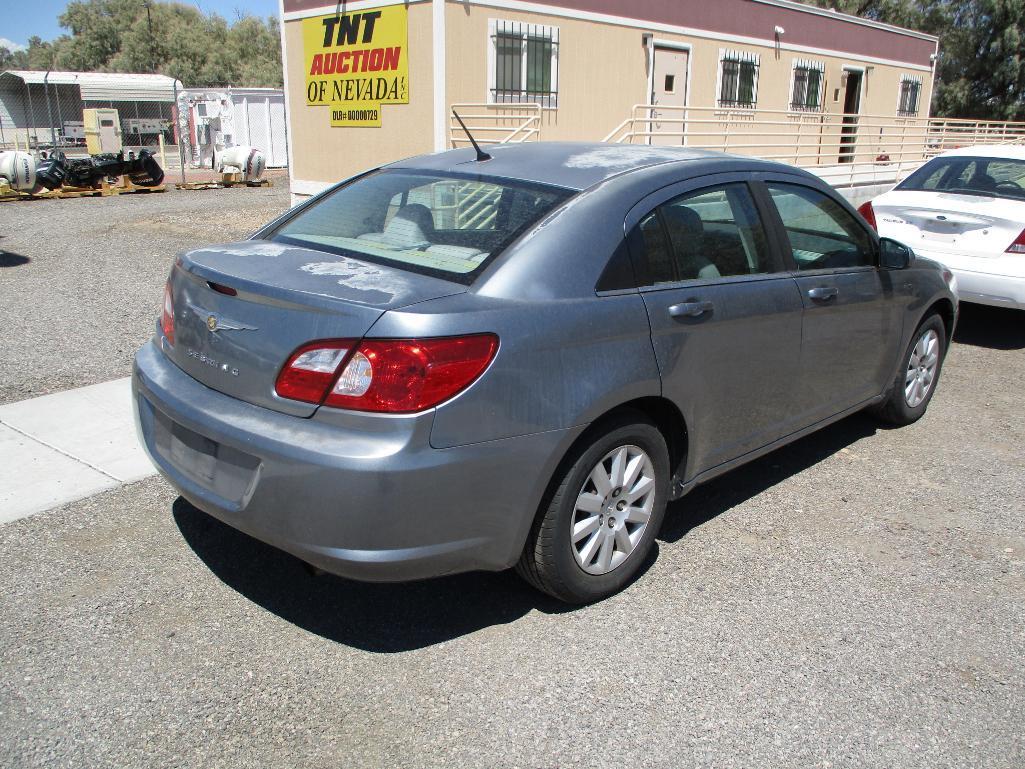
(65, 446)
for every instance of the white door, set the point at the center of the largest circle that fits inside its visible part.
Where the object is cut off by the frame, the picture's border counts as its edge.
(669, 96)
(258, 117)
(278, 157)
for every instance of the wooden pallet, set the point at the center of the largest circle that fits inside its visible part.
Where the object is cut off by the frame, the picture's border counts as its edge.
(7, 193)
(257, 183)
(126, 187)
(227, 180)
(123, 186)
(106, 189)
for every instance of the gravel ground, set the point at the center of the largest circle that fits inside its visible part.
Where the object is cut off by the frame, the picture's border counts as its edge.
(856, 599)
(89, 293)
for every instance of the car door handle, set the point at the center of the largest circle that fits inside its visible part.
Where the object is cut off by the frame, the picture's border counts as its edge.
(823, 293)
(693, 309)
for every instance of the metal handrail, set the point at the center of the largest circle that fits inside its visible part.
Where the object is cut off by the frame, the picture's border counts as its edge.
(842, 144)
(516, 122)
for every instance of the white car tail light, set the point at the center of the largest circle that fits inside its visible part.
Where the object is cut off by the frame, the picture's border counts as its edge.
(385, 375)
(1018, 246)
(868, 213)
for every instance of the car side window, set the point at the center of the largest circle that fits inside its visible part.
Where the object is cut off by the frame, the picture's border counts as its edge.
(656, 249)
(822, 234)
(711, 233)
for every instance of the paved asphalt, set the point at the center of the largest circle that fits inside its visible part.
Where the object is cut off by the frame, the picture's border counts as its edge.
(856, 599)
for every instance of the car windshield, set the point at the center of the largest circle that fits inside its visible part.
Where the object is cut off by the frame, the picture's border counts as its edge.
(966, 175)
(448, 226)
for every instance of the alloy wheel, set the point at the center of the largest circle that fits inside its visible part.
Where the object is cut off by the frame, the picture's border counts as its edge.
(612, 509)
(921, 370)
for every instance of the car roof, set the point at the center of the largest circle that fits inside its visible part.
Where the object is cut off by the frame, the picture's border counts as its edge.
(573, 165)
(1010, 151)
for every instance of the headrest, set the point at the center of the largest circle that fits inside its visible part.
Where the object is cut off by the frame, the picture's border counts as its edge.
(983, 181)
(412, 223)
(682, 221)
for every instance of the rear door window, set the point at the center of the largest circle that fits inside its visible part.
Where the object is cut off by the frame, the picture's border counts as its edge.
(822, 234)
(711, 233)
(442, 225)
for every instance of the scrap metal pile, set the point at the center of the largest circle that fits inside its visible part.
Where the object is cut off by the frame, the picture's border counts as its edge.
(23, 174)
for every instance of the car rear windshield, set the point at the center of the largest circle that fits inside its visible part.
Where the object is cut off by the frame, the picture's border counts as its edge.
(448, 226)
(966, 175)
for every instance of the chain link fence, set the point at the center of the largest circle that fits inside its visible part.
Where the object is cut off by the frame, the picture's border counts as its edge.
(46, 117)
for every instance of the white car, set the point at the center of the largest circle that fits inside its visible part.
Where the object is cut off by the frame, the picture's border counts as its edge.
(965, 209)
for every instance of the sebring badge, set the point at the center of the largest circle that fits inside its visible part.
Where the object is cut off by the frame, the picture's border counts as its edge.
(202, 357)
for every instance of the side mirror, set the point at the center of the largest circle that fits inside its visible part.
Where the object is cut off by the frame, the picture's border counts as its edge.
(894, 255)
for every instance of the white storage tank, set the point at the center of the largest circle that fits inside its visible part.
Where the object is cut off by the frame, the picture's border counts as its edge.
(245, 160)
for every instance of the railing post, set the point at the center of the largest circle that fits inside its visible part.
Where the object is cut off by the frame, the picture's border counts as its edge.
(900, 150)
(854, 152)
(797, 148)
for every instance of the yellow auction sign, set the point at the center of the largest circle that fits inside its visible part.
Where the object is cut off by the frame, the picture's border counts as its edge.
(355, 62)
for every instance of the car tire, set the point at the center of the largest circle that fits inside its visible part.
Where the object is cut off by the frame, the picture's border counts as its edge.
(605, 556)
(917, 371)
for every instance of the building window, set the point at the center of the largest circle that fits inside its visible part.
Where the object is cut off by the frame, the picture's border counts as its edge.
(909, 95)
(523, 63)
(738, 79)
(806, 85)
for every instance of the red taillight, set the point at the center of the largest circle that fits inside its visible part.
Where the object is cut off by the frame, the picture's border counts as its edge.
(1018, 246)
(167, 316)
(868, 213)
(312, 369)
(386, 375)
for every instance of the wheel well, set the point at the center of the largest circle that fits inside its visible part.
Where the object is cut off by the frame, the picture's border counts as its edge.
(665, 416)
(945, 309)
(661, 412)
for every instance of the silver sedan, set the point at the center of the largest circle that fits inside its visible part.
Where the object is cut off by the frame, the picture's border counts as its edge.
(453, 363)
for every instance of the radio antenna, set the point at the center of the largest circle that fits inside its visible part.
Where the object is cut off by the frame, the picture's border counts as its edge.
(481, 154)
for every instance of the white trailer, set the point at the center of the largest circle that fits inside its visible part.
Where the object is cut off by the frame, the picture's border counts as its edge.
(213, 120)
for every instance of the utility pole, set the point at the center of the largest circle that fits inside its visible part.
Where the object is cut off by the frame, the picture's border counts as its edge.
(149, 28)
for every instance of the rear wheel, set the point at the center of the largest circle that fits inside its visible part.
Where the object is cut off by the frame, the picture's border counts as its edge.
(918, 374)
(601, 521)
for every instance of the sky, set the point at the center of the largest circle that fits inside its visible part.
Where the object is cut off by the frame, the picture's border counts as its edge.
(21, 19)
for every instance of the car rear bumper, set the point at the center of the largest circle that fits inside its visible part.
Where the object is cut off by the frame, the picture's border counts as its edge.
(358, 495)
(980, 281)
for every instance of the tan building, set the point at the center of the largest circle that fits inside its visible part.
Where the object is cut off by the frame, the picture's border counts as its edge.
(378, 82)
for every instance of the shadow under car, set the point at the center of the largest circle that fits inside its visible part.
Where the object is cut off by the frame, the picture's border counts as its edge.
(395, 617)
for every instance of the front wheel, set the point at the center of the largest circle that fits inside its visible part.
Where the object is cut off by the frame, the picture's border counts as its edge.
(602, 519)
(918, 374)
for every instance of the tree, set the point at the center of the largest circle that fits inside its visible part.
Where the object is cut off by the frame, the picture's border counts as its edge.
(12, 59)
(169, 38)
(981, 69)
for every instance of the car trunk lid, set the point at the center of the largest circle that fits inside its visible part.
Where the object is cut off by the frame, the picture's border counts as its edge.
(242, 308)
(973, 225)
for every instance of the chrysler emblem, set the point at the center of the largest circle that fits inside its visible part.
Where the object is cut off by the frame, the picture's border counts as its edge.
(215, 322)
